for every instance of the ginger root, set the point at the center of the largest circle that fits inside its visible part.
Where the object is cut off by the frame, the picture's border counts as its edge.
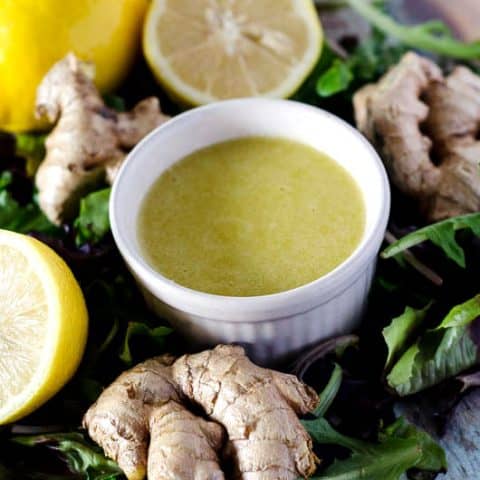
(426, 128)
(143, 406)
(256, 407)
(89, 141)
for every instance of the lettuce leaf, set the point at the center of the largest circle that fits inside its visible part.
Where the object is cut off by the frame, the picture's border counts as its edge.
(440, 353)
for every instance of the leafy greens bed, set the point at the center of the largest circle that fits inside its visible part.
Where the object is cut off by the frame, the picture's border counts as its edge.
(420, 331)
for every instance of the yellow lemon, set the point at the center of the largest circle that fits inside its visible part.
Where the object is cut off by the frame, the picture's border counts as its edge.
(207, 50)
(34, 34)
(43, 325)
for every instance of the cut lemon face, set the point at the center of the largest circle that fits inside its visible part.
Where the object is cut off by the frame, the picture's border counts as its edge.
(207, 50)
(43, 325)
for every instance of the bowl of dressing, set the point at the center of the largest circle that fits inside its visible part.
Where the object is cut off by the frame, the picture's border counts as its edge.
(253, 221)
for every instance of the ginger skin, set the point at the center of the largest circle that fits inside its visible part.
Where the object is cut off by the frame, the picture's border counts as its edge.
(426, 128)
(257, 407)
(90, 140)
(143, 405)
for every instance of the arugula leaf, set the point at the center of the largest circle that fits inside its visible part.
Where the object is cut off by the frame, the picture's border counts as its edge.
(93, 222)
(401, 447)
(440, 353)
(442, 234)
(433, 36)
(433, 458)
(20, 218)
(400, 331)
(135, 329)
(329, 392)
(81, 456)
(323, 433)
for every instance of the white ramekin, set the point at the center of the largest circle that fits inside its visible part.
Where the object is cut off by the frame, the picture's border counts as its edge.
(271, 327)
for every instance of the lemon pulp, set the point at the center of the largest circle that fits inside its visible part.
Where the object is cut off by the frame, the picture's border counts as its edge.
(207, 50)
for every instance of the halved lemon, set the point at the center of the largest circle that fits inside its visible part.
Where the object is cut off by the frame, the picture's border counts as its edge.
(43, 325)
(207, 50)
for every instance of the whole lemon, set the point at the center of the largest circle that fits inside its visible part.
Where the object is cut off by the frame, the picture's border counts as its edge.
(34, 34)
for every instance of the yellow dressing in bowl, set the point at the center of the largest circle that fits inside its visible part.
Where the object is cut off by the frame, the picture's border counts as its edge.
(251, 216)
